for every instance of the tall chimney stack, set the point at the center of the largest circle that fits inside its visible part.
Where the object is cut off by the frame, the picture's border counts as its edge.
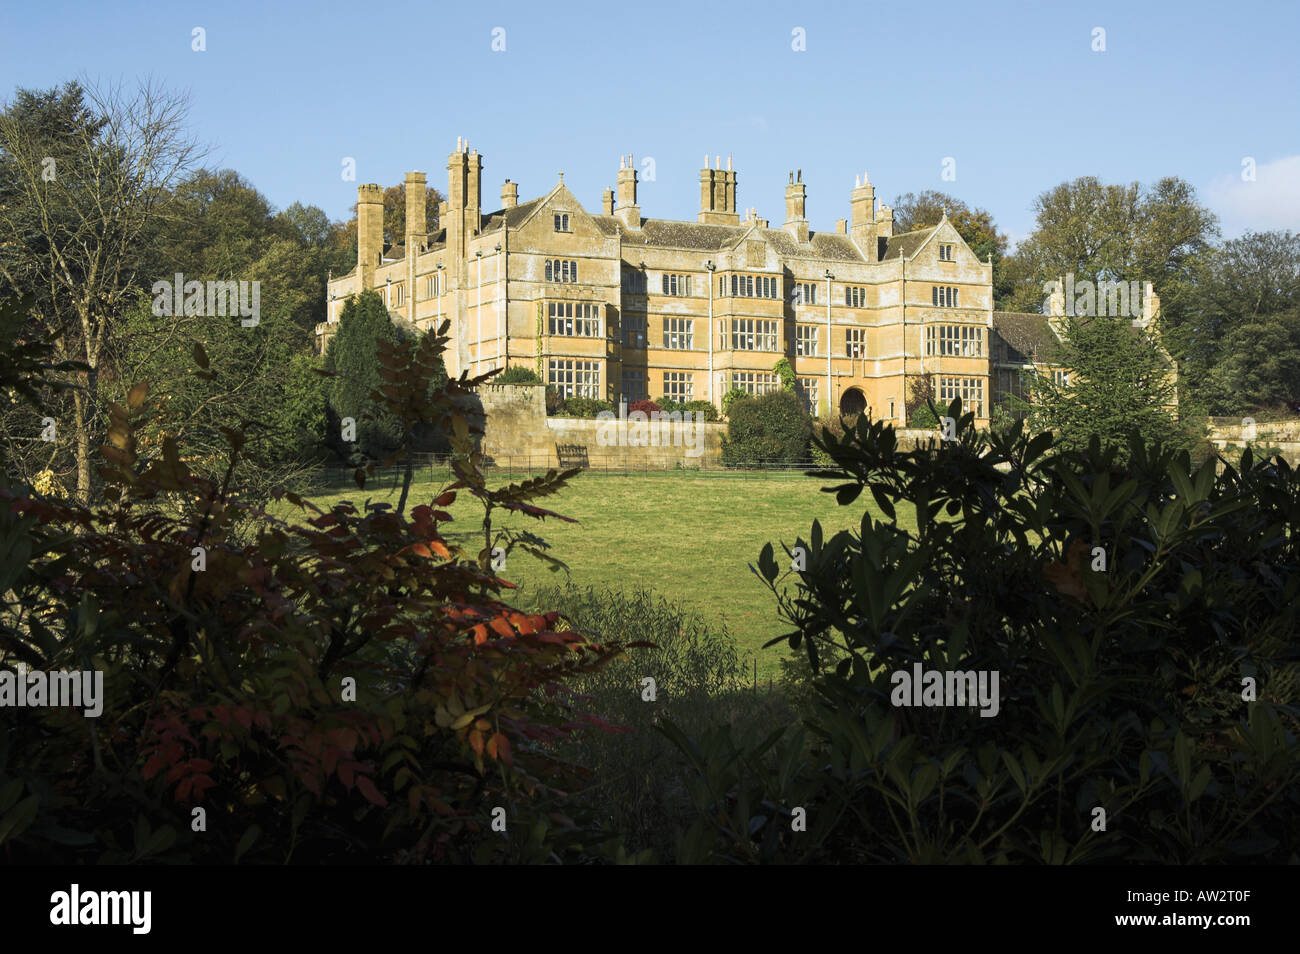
(370, 232)
(718, 194)
(862, 220)
(796, 223)
(509, 194)
(417, 220)
(628, 212)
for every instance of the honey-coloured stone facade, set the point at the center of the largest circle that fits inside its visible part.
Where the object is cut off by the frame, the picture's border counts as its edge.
(613, 305)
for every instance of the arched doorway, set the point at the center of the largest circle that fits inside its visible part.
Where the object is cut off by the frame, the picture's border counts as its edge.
(852, 403)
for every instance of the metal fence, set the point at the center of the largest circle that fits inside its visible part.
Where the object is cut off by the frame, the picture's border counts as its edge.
(436, 468)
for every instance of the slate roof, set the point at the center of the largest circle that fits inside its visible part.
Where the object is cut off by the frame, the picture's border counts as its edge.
(512, 217)
(1028, 333)
(905, 245)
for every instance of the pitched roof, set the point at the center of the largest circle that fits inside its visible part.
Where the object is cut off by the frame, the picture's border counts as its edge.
(1030, 334)
(905, 245)
(512, 216)
(670, 234)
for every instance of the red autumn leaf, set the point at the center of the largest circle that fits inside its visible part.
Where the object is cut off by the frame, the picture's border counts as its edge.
(444, 499)
(502, 627)
(345, 738)
(367, 789)
(476, 741)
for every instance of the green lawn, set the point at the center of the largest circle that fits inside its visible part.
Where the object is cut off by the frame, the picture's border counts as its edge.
(689, 537)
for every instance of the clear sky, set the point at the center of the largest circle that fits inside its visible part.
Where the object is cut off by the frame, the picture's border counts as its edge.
(1012, 92)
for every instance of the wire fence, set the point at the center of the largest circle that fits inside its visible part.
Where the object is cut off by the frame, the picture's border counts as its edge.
(436, 468)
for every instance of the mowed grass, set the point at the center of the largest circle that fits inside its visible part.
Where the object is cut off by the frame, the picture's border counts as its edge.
(690, 538)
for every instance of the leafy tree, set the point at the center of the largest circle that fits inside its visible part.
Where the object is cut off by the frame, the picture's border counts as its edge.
(1258, 366)
(352, 356)
(84, 180)
(1098, 232)
(1239, 347)
(1118, 384)
(770, 427)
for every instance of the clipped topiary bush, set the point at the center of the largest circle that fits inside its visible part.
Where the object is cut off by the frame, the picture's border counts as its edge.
(584, 407)
(517, 374)
(772, 427)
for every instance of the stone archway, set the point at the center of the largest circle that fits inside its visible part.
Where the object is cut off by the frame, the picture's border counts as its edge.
(852, 402)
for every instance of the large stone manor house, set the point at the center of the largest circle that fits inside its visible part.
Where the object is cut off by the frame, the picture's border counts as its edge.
(612, 304)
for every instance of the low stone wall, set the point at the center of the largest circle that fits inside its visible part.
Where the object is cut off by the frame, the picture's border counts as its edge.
(1283, 435)
(517, 427)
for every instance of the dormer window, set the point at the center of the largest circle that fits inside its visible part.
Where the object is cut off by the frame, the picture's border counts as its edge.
(562, 222)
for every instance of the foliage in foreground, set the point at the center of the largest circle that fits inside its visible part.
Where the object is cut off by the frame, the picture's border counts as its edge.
(1142, 622)
(347, 686)
(635, 781)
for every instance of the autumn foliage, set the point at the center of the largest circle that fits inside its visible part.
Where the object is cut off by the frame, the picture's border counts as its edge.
(343, 685)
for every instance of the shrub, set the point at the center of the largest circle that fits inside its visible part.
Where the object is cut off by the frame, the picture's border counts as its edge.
(584, 407)
(702, 407)
(923, 417)
(554, 400)
(1141, 620)
(644, 405)
(668, 406)
(347, 685)
(517, 374)
(823, 427)
(772, 427)
(733, 395)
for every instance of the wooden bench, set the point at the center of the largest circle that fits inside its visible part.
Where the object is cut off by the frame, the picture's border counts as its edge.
(572, 455)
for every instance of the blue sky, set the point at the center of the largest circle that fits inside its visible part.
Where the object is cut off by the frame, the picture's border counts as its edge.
(1014, 93)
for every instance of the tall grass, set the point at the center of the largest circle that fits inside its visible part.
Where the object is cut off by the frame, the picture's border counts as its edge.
(699, 682)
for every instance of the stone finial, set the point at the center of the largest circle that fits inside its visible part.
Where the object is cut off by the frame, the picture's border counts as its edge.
(857, 182)
(622, 162)
(717, 162)
(729, 158)
(561, 177)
